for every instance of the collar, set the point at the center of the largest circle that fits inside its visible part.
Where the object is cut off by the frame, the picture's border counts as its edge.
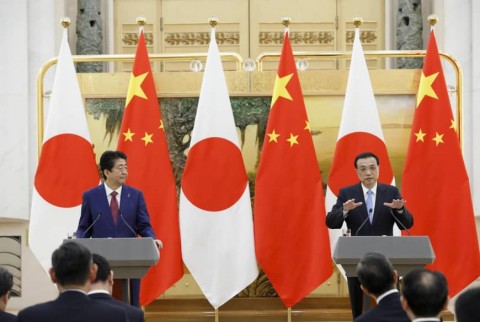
(98, 292)
(74, 290)
(381, 297)
(365, 189)
(109, 190)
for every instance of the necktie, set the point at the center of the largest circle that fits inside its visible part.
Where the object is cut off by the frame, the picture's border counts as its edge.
(114, 206)
(369, 205)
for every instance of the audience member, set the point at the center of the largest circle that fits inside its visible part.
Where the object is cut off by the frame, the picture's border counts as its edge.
(102, 287)
(6, 284)
(72, 270)
(467, 306)
(378, 280)
(424, 295)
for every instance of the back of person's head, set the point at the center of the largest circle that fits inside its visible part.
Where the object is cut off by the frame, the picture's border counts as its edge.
(108, 158)
(104, 270)
(71, 263)
(426, 292)
(6, 281)
(467, 306)
(376, 273)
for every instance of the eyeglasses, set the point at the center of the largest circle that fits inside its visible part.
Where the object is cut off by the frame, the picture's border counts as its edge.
(364, 170)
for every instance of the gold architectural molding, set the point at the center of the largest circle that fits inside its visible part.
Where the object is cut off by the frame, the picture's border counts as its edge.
(297, 37)
(201, 38)
(366, 36)
(131, 38)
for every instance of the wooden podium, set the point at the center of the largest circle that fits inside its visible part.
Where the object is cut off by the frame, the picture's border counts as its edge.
(128, 257)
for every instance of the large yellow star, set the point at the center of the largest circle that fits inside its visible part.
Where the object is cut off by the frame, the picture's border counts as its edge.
(420, 135)
(135, 87)
(438, 138)
(161, 124)
(280, 88)
(292, 139)
(147, 138)
(273, 136)
(425, 87)
(128, 136)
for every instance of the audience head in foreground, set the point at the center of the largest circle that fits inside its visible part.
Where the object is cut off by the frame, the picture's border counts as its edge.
(378, 280)
(467, 306)
(424, 294)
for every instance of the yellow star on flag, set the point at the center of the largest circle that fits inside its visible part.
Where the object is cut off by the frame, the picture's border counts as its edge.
(147, 138)
(161, 124)
(438, 138)
(273, 136)
(280, 88)
(453, 125)
(420, 135)
(425, 87)
(135, 87)
(292, 139)
(307, 126)
(128, 136)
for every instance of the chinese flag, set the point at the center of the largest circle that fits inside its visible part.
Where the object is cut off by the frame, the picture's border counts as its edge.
(142, 138)
(435, 182)
(291, 239)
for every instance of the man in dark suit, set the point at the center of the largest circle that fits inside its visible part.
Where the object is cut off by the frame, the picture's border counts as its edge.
(467, 306)
(72, 270)
(114, 209)
(425, 295)
(378, 280)
(102, 286)
(6, 285)
(369, 208)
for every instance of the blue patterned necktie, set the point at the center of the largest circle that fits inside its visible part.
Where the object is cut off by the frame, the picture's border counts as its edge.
(369, 205)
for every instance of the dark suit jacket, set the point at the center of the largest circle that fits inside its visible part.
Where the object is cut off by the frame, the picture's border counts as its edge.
(134, 314)
(383, 220)
(7, 317)
(388, 310)
(132, 208)
(72, 306)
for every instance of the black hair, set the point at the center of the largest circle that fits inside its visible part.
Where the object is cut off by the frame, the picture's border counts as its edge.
(376, 273)
(365, 155)
(426, 292)
(103, 268)
(6, 281)
(71, 263)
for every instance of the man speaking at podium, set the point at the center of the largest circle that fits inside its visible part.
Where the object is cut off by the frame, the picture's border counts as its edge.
(115, 210)
(369, 208)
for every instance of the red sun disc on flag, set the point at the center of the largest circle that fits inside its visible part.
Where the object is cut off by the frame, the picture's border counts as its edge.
(66, 169)
(348, 147)
(214, 177)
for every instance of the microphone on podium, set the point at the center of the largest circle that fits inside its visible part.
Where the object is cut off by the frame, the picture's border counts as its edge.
(91, 225)
(130, 227)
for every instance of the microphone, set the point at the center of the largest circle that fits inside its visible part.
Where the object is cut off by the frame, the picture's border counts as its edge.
(400, 223)
(361, 226)
(130, 227)
(91, 225)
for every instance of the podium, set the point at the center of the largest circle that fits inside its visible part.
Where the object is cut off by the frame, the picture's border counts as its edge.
(128, 257)
(404, 252)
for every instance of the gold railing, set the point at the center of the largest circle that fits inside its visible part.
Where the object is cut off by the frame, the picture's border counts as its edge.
(386, 54)
(239, 62)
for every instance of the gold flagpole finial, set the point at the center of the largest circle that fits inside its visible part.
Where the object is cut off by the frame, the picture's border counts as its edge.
(213, 21)
(286, 20)
(141, 21)
(357, 21)
(432, 19)
(65, 22)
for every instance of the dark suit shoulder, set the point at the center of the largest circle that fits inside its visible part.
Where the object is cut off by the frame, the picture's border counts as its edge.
(7, 317)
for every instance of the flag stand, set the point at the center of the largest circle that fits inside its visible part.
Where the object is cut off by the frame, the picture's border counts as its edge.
(216, 315)
(289, 314)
